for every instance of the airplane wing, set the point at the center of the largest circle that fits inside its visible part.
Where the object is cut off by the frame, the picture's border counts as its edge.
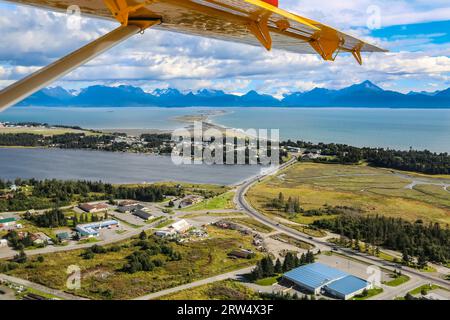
(252, 22)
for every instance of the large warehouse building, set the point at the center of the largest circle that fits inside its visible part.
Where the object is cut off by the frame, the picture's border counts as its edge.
(316, 277)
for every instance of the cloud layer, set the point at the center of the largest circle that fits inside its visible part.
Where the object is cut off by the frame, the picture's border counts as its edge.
(158, 59)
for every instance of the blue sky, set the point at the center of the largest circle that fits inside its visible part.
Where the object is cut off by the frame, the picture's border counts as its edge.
(416, 32)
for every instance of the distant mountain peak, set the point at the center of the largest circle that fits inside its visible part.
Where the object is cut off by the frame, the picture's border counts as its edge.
(364, 94)
(210, 93)
(165, 92)
(365, 85)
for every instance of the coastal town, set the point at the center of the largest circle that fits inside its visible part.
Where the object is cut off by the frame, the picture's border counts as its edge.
(270, 256)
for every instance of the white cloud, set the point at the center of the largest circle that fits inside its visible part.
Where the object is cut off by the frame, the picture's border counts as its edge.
(162, 59)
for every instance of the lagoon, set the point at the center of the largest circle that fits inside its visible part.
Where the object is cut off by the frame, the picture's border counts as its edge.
(113, 167)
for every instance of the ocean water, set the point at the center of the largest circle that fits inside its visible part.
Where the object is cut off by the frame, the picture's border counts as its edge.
(390, 128)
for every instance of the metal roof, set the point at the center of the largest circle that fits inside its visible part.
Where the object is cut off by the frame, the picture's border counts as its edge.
(6, 220)
(314, 275)
(348, 285)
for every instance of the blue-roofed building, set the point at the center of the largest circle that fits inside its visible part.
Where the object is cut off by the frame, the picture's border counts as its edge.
(347, 287)
(313, 277)
(316, 277)
(92, 229)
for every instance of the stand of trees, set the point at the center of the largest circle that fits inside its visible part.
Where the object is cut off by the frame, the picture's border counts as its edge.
(49, 193)
(427, 242)
(18, 243)
(412, 160)
(144, 259)
(50, 219)
(105, 142)
(292, 206)
(267, 268)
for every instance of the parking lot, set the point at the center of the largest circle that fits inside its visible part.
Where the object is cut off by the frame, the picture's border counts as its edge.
(350, 266)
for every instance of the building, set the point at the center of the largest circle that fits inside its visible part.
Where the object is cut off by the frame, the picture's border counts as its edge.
(92, 229)
(165, 233)
(293, 149)
(40, 238)
(180, 226)
(242, 253)
(347, 287)
(190, 200)
(93, 208)
(7, 196)
(313, 277)
(126, 208)
(3, 243)
(143, 214)
(7, 222)
(63, 236)
(317, 278)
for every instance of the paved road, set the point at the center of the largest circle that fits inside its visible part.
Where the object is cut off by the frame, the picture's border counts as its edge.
(241, 202)
(390, 293)
(26, 283)
(230, 275)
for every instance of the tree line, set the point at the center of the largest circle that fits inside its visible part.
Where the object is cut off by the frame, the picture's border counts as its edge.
(104, 142)
(427, 242)
(267, 268)
(50, 219)
(42, 194)
(144, 259)
(292, 206)
(412, 160)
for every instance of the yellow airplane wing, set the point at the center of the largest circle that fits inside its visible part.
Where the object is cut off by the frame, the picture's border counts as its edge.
(251, 22)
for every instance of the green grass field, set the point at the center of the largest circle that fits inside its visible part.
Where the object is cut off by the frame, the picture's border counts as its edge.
(45, 131)
(370, 293)
(267, 281)
(365, 189)
(221, 290)
(307, 230)
(425, 287)
(220, 202)
(396, 281)
(102, 277)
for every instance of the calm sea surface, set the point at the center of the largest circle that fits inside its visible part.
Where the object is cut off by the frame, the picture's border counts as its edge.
(392, 128)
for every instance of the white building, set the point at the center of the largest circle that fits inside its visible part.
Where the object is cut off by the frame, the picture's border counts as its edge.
(164, 233)
(180, 226)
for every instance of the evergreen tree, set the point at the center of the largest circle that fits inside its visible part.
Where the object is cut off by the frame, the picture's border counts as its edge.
(278, 267)
(143, 235)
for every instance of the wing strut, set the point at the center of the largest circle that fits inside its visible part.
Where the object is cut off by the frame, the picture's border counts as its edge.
(260, 29)
(41, 78)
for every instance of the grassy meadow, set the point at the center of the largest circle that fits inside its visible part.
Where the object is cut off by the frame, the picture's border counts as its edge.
(365, 189)
(102, 277)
